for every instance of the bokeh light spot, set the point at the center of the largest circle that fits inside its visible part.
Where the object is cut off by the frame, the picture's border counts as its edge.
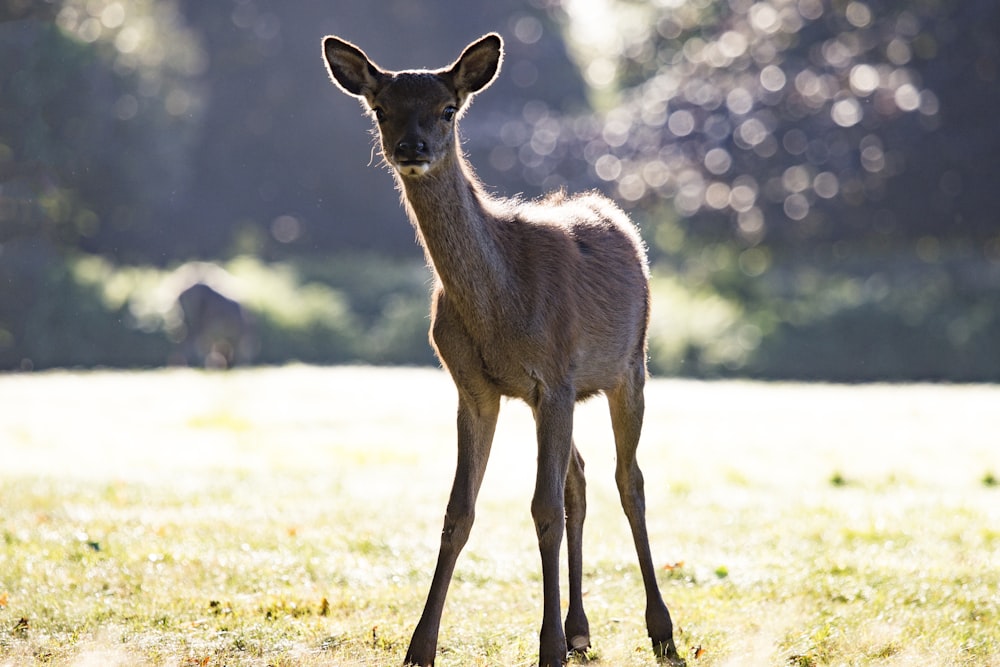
(764, 18)
(858, 14)
(810, 9)
(113, 15)
(732, 44)
(681, 123)
(864, 79)
(898, 52)
(772, 78)
(743, 195)
(601, 73)
(846, 112)
(89, 30)
(751, 223)
(717, 195)
(656, 173)
(608, 167)
(755, 262)
(907, 97)
(528, 29)
(752, 132)
(718, 161)
(286, 229)
(632, 187)
(826, 185)
(796, 179)
(126, 107)
(739, 101)
(873, 159)
(796, 206)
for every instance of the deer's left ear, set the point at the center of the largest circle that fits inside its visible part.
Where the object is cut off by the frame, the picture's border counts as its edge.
(477, 67)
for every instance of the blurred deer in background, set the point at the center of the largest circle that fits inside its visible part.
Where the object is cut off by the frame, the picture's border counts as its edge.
(217, 331)
(545, 301)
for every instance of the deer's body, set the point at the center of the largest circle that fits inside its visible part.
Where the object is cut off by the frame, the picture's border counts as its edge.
(545, 301)
(543, 336)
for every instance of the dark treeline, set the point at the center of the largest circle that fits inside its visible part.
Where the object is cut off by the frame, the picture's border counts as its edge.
(159, 130)
(778, 154)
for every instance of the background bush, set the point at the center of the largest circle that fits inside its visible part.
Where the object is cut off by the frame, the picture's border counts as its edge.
(898, 322)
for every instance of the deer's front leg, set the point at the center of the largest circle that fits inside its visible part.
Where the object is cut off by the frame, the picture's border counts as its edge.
(554, 421)
(476, 424)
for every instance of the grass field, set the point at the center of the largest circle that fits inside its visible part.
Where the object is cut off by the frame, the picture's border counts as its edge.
(291, 517)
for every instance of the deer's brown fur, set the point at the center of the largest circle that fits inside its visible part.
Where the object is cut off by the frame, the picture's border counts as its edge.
(546, 301)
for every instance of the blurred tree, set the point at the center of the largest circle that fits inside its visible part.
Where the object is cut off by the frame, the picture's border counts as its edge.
(286, 165)
(16, 10)
(157, 130)
(773, 150)
(98, 110)
(98, 114)
(789, 122)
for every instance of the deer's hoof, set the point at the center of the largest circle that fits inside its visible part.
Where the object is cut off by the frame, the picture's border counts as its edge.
(578, 643)
(412, 661)
(409, 662)
(556, 660)
(666, 653)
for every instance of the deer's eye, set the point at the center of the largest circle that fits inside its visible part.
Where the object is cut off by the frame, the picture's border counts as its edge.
(448, 114)
(379, 114)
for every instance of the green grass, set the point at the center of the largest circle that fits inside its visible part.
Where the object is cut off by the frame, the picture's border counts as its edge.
(290, 517)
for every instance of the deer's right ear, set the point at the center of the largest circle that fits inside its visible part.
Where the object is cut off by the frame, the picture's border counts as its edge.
(350, 69)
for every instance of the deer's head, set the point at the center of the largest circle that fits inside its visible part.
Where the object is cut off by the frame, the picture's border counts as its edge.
(415, 110)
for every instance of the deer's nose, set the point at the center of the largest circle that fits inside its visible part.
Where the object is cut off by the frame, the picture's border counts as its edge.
(411, 149)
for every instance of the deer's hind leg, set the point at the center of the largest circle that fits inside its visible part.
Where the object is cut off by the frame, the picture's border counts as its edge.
(627, 409)
(577, 627)
(554, 426)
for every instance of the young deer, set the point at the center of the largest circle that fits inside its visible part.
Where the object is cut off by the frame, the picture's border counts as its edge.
(544, 301)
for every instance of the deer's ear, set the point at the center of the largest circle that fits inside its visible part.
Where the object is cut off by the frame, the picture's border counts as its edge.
(478, 65)
(350, 69)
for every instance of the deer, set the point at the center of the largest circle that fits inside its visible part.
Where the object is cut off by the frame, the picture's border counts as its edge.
(546, 301)
(208, 319)
(218, 330)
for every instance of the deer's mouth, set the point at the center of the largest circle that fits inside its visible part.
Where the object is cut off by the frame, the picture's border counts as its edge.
(413, 167)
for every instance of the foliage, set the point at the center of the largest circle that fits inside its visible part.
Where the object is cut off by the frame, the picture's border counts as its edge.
(785, 123)
(290, 517)
(813, 177)
(85, 311)
(160, 130)
(51, 316)
(95, 122)
(877, 322)
(867, 321)
(788, 122)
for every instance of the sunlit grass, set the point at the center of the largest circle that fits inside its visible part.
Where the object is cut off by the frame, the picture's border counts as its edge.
(290, 517)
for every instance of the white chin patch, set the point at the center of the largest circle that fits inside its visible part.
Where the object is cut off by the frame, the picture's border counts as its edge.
(418, 169)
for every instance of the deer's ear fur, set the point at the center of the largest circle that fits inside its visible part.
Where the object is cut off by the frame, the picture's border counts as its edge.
(350, 69)
(477, 67)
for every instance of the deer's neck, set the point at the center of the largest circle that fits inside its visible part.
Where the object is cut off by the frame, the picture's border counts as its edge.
(459, 236)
